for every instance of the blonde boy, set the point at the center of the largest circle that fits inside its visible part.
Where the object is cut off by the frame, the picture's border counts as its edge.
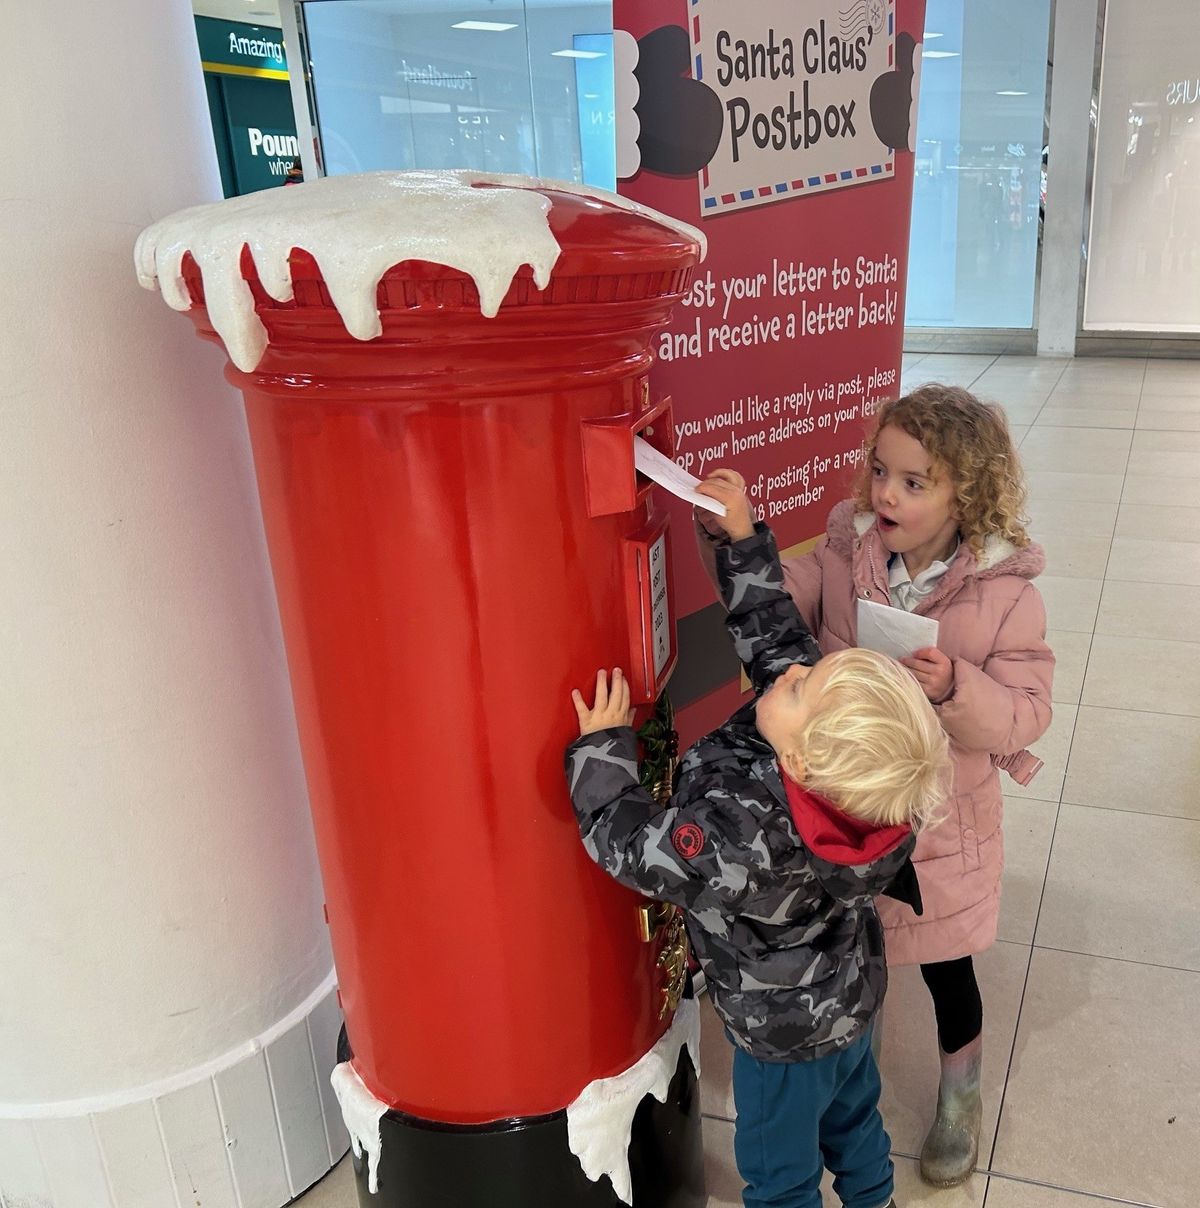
(785, 824)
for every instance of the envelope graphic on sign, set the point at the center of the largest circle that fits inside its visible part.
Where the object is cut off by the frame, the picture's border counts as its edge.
(892, 631)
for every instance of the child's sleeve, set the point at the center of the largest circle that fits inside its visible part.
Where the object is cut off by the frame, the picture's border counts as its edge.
(706, 547)
(802, 581)
(768, 632)
(1004, 705)
(693, 854)
(802, 576)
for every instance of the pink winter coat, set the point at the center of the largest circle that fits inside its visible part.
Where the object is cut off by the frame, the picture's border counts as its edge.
(993, 626)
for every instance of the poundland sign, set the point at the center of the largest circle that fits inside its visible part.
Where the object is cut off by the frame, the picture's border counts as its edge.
(233, 48)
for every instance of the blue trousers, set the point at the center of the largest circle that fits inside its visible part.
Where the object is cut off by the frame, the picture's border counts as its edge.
(795, 1118)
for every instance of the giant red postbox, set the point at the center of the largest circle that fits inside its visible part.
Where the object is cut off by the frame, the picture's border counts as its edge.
(458, 537)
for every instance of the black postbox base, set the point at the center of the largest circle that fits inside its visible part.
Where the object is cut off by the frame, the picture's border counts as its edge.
(528, 1164)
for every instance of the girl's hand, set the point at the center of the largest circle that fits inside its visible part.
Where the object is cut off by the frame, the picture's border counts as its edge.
(934, 672)
(727, 487)
(611, 708)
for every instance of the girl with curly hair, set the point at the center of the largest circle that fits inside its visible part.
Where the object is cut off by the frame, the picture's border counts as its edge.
(935, 528)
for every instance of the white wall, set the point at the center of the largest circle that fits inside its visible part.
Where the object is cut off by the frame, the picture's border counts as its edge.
(158, 884)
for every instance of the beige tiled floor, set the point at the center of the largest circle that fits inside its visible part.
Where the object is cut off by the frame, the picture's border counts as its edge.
(1092, 995)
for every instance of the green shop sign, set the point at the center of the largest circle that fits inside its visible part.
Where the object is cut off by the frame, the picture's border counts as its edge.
(233, 48)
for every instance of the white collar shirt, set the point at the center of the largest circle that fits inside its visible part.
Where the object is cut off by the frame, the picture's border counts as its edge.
(907, 592)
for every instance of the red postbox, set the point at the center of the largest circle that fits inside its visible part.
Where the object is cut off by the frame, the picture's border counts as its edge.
(458, 537)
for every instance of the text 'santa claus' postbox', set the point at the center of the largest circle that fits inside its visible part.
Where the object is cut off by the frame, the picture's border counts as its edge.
(458, 537)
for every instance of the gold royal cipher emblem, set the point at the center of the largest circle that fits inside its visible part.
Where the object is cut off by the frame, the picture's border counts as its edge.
(662, 919)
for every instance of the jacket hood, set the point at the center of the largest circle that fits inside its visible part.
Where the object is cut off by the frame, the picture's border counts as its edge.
(872, 855)
(848, 858)
(999, 557)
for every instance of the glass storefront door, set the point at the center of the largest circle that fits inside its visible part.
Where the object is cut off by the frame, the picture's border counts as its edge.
(977, 192)
(1144, 251)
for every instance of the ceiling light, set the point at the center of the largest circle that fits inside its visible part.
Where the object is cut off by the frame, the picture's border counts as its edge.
(930, 36)
(1011, 92)
(939, 54)
(490, 27)
(578, 54)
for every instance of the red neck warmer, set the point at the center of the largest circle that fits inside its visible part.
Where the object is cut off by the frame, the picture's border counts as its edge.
(834, 836)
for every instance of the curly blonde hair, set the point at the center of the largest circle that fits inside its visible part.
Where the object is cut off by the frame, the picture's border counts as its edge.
(873, 744)
(970, 441)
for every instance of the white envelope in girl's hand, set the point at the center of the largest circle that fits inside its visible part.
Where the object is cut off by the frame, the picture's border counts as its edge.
(892, 631)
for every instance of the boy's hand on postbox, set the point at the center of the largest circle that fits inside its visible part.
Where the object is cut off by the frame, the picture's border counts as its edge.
(611, 708)
(727, 487)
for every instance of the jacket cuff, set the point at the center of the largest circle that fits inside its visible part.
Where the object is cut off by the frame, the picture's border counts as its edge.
(960, 712)
(626, 735)
(713, 539)
(760, 544)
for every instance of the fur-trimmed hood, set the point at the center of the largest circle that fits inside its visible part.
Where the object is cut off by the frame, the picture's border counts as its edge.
(1000, 556)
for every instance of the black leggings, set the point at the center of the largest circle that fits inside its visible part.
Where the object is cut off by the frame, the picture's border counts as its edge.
(956, 1002)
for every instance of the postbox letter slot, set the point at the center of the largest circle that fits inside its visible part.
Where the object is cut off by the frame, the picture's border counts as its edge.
(611, 480)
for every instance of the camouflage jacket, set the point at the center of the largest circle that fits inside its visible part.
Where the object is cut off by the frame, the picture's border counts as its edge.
(790, 943)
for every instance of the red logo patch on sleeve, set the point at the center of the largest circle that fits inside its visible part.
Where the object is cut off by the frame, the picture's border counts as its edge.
(688, 840)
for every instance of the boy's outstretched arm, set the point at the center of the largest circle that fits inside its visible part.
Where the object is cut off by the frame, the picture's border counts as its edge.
(693, 854)
(768, 631)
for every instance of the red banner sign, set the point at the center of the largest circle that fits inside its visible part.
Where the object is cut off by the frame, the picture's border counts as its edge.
(784, 129)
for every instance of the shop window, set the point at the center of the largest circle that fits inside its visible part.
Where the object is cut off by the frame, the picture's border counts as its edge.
(506, 87)
(1144, 249)
(977, 193)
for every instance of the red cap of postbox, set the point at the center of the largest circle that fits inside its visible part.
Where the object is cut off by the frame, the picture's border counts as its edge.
(609, 252)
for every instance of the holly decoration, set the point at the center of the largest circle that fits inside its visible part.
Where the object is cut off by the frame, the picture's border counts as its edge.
(660, 751)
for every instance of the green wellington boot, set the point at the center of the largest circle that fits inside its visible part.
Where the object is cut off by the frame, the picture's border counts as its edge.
(952, 1147)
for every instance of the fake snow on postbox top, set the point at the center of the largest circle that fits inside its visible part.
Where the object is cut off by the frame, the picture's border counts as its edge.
(356, 228)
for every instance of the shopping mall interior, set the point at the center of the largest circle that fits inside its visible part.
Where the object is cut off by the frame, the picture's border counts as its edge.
(173, 1015)
(1091, 1062)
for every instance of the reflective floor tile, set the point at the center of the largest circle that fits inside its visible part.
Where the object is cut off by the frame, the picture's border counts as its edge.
(1077, 449)
(1070, 603)
(1048, 485)
(1149, 610)
(1071, 652)
(1029, 826)
(1159, 522)
(1073, 555)
(1124, 886)
(1054, 416)
(1155, 562)
(1166, 492)
(1141, 761)
(1105, 1089)
(1143, 673)
(909, 1062)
